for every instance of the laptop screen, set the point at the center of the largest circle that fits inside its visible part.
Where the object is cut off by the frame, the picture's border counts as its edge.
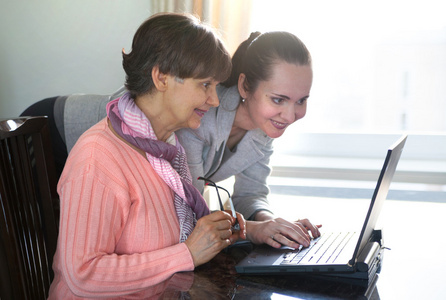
(380, 194)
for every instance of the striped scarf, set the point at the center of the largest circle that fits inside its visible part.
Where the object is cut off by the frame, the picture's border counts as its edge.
(168, 159)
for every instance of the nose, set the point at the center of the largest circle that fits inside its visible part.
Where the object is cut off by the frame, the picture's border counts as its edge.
(301, 112)
(293, 113)
(213, 97)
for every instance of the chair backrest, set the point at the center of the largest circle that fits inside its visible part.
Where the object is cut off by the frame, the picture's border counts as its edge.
(28, 208)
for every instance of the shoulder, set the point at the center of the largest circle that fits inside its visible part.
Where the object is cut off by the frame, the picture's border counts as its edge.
(98, 151)
(261, 138)
(96, 143)
(94, 138)
(81, 111)
(100, 161)
(229, 97)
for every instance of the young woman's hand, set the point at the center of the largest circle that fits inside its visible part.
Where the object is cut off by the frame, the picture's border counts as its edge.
(277, 232)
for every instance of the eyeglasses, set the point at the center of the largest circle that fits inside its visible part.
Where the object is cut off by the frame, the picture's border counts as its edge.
(211, 183)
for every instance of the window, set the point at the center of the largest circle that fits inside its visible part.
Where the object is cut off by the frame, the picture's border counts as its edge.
(379, 70)
(379, 66)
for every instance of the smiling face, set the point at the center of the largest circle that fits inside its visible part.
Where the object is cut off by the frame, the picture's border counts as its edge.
(177, 103)
(278, 102)
(189, 100)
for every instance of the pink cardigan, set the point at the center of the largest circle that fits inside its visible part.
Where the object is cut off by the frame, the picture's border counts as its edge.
(119, 231)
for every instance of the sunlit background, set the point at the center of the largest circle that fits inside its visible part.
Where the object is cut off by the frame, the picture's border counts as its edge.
(379, 66)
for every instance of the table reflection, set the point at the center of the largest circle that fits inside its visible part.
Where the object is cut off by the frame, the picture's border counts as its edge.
(219, 280)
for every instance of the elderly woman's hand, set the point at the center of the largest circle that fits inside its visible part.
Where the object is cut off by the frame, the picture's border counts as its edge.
(212, 234)
(241, 232)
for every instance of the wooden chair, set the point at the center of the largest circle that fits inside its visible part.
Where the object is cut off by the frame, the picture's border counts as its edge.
(28, 208)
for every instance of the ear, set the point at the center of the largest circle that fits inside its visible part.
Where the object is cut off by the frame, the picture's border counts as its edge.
(159, 79)
(241, 86)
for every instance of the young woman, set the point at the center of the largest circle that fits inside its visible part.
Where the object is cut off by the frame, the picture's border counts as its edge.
(130, 216)
(267, 91)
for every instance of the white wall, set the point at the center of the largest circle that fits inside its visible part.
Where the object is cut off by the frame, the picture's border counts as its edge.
(58, 47)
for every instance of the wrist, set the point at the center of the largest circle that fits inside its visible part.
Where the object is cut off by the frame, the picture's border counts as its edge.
(263, 215)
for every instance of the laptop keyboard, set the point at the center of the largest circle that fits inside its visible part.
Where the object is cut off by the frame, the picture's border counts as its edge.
(322, 250)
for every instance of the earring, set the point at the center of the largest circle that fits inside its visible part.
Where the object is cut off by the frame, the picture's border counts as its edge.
(243, 100)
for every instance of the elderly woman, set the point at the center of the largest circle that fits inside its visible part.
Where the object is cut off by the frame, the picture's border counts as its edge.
(130, 216)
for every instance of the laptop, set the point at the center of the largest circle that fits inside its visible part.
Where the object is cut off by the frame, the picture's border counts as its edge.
(337, 252)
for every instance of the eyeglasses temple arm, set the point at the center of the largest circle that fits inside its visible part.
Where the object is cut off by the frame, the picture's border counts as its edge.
(211, 183)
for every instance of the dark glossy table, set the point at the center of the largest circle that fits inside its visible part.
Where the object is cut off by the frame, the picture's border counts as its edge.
(218, 280)
(411, 221)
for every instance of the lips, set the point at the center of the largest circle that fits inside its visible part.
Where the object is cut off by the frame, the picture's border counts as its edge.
(200, 112)
(279, 125)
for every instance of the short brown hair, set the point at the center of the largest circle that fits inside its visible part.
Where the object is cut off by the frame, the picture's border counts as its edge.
(180, 46)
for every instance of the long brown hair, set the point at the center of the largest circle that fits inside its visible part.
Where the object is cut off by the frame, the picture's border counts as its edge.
(255, 57)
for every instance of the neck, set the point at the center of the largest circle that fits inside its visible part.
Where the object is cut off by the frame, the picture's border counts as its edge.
(242, 120)
(242, 123)
(151, 106)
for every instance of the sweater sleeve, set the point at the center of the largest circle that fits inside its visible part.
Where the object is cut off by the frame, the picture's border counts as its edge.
(87, 240)
(118, 229)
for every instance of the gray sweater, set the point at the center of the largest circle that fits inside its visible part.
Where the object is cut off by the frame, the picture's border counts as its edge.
(209, 156)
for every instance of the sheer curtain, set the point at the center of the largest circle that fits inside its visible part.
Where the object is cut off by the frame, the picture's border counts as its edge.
(230, 17)
(232, 20)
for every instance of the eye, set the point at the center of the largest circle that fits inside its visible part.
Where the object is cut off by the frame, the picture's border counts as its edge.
(206, 84)
(302, 101)
(277, 100)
